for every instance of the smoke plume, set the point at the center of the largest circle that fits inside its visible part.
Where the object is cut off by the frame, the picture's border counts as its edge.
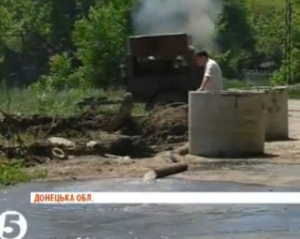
(195, 17)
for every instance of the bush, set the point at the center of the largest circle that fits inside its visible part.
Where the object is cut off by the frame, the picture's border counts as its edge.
(101, 41)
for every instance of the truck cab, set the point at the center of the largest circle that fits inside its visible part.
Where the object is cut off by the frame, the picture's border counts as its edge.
(160, 69)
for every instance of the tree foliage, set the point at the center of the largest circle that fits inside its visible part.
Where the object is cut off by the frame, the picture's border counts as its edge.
(81, 43)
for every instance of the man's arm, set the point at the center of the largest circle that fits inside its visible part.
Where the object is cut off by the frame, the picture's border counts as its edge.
(204, 83)
(207, 77)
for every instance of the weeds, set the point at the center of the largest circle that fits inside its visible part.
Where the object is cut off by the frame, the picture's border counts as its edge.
(63, 103)
(14, 172)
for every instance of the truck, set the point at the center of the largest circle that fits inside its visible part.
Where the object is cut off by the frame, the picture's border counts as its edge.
(160, 69)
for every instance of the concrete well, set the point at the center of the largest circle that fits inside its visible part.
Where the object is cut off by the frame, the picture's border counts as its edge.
(277, 126)
(226, 124)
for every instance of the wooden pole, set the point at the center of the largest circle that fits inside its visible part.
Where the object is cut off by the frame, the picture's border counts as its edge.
(165, 171)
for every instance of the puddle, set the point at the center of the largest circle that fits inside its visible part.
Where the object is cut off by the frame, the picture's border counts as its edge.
(151, 221)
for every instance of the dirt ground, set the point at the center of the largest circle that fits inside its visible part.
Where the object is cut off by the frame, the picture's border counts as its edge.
(280, 169)
(137, 136)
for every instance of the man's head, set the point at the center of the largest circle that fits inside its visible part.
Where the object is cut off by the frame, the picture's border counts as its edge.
(201, 58)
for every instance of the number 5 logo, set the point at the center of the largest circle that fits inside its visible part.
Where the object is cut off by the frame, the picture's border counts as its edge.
(13, 225)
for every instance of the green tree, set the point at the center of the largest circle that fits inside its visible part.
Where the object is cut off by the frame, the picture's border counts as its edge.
(236, 37)
(101, 41)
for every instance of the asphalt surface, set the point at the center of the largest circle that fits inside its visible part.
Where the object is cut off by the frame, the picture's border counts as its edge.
(151, 221)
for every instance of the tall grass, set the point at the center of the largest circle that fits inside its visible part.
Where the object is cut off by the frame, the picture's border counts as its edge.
(63, 103)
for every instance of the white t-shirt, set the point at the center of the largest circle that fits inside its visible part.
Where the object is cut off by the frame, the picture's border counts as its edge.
(213, 71)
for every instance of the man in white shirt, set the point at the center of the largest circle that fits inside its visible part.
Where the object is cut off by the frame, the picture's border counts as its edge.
(212, 80)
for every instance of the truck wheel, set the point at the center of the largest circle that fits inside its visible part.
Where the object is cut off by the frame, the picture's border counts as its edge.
(165, 98)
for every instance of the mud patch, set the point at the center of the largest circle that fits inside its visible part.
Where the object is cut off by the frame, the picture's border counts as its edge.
(89, 119)
(166, 125)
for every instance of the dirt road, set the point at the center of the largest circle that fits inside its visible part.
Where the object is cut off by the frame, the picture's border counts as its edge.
(280, 169)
